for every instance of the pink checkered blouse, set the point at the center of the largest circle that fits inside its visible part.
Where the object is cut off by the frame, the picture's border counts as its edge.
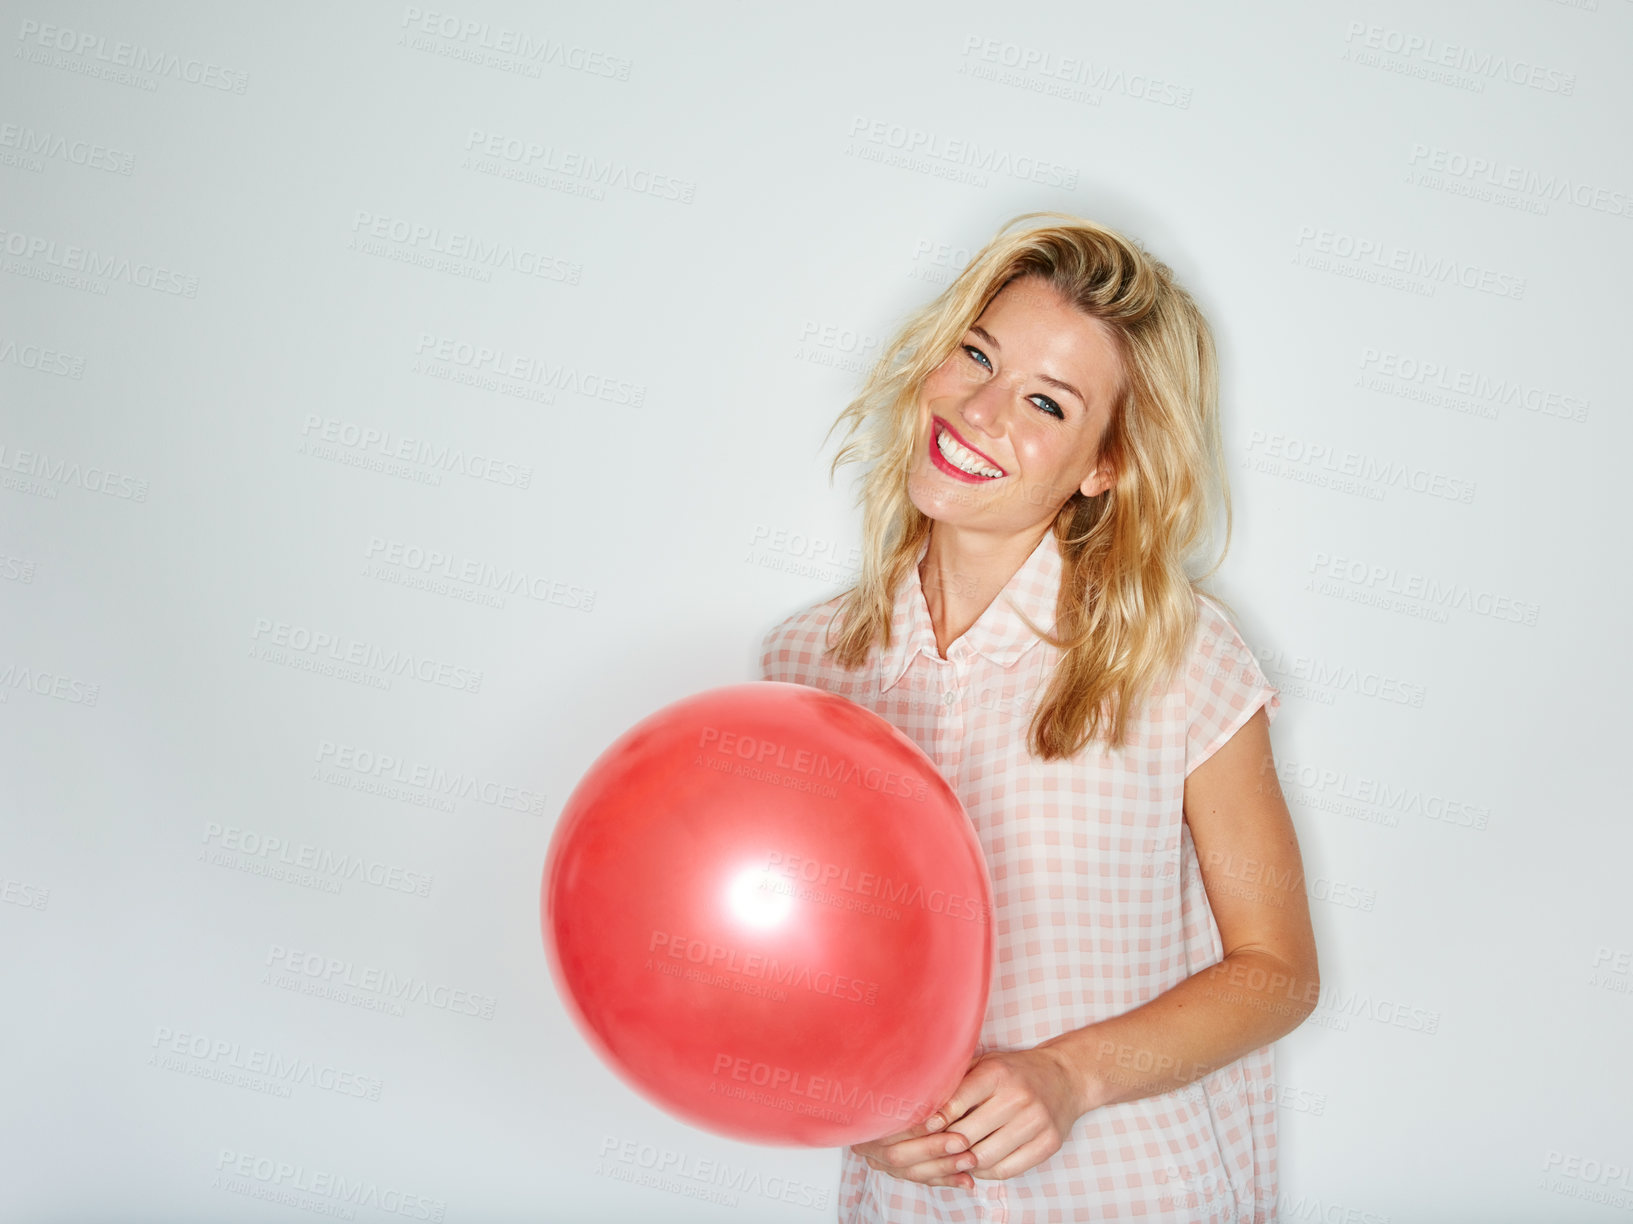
(1098, 901)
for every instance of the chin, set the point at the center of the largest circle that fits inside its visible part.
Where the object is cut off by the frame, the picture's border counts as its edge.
(938, 502)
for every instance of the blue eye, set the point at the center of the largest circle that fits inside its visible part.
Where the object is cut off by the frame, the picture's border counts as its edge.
(1048, 405)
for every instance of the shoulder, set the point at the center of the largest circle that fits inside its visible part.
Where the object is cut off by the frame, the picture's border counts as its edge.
(1224, 682)
(1215, 637)
(794, 646)
(1219, 660)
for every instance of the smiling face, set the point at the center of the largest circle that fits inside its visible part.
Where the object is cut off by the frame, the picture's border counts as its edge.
(1010, 424)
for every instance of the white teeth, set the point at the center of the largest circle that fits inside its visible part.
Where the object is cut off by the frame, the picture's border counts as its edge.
(962, 458)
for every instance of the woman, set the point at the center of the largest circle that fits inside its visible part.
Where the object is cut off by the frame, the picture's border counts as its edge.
(1044, 441)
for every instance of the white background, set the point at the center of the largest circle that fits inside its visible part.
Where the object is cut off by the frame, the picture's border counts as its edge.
(241, 235)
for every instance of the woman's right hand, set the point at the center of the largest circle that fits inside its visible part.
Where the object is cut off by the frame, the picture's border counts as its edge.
(920, 1154)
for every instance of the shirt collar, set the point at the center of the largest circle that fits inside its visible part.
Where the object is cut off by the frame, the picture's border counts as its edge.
(998, 634)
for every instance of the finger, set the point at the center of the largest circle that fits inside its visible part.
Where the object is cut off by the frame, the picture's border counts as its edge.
(930, 1148)
(957, 1181)
(912, 1132)
(974, 1089)
(986, 1120)
(1033, 1152)
(912, 1151)
(953, 1106)
(944, 1170)
(924, 1126)
(1015, 1128)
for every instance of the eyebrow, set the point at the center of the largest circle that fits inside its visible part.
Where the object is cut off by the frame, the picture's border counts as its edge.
(1053, 382)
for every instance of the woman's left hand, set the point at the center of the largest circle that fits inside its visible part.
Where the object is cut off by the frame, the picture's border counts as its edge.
(1016, 1108)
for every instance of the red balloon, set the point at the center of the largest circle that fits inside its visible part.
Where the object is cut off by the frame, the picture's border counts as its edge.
(769, 913)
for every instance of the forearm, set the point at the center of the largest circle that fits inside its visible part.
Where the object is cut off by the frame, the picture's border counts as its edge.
(1212, 1018)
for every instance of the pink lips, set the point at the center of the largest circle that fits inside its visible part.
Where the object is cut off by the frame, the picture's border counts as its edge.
(940, 460)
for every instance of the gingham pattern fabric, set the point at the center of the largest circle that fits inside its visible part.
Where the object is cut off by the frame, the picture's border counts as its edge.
(1098, 901)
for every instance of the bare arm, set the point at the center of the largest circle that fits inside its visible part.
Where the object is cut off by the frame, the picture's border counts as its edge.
(1015, 1108)
(1267, 982)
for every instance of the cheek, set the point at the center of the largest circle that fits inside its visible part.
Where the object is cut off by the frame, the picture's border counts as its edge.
(1035, 453)
(940, 381)
(1044, 452)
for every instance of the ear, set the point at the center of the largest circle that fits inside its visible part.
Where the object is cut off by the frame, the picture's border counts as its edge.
(1098, 481)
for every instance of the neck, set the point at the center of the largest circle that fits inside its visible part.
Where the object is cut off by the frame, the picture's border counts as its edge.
(963, 572)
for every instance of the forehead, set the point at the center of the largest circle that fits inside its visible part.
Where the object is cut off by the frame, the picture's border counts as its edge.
(1034, 296)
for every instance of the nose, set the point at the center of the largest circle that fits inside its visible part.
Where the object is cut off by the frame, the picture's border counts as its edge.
(983, 408)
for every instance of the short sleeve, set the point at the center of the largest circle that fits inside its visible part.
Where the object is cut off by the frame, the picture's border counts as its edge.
(1224, 685)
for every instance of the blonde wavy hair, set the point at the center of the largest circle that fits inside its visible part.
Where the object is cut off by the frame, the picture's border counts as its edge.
(1126, 609)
